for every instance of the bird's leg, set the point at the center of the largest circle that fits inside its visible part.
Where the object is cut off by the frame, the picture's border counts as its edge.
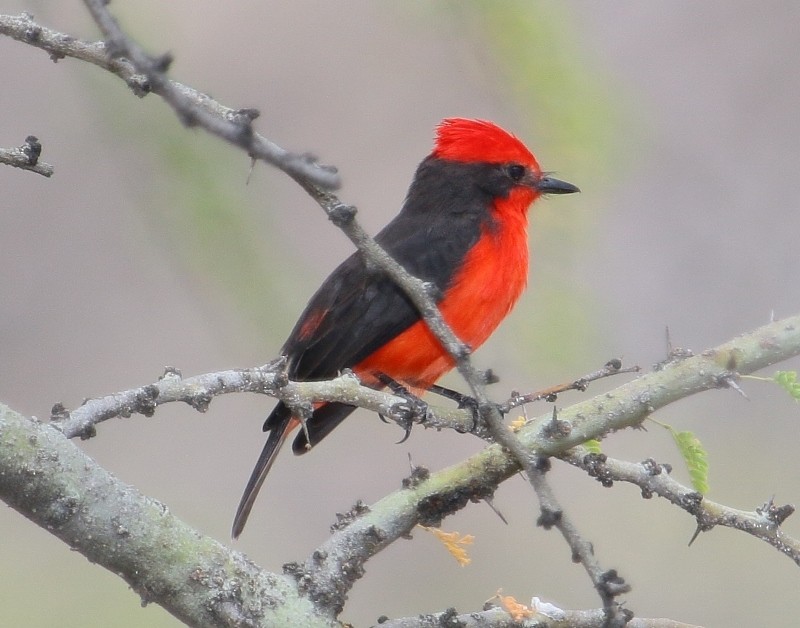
(465, 401)
(404, 413)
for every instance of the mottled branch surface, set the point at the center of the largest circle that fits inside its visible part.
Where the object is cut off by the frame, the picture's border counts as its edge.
(203, 583)
(547, 618)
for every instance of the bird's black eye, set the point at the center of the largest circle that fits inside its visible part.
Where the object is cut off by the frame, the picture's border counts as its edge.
(516, 172)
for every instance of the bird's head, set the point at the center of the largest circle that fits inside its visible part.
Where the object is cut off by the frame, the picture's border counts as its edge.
(479, 141)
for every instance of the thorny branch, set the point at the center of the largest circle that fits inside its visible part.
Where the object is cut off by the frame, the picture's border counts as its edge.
(607, 583)
(146, 74)
(478, 477)
(200, 390)
(612, 367)
(655, 479)
(192, 107)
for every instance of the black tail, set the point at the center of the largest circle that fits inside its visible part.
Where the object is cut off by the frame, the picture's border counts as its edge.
(278, 422)
(321, 423)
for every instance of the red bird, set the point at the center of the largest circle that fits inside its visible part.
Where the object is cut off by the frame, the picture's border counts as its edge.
(463, 227)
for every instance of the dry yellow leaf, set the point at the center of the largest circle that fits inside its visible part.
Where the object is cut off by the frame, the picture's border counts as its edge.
(517, 611)
(453, 543)
(518, 423)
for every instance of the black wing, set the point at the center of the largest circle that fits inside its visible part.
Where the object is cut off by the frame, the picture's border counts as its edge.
(358, 309)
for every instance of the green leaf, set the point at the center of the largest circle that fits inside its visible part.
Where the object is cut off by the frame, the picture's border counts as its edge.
(593, 446)
(695, 457)
(788, 381)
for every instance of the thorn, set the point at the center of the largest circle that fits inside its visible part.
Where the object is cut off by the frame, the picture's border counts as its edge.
(490, 502)
(729, 382)
(161, 63)
(250, 172)
(342, 215)
(696, 534)
(304, 424)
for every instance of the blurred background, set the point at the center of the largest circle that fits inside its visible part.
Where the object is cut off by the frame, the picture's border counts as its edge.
(147, 248)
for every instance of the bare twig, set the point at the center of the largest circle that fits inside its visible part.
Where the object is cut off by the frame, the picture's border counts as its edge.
(144, 74)
(27, 157)
(612, 367)
(198, 391)
(655, 479)
(607, 583)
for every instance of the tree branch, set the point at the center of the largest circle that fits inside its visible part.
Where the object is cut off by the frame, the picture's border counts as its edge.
(200, 390)
(26, 157)
(607, 583)
(192, 107)
(655, 479)
(54, 484)
(51, 482)
(551, 617)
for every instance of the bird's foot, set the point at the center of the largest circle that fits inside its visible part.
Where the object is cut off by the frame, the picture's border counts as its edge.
(407, 412)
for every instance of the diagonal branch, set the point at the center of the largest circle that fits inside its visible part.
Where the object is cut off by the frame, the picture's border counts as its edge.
(655, 479)
(144, 75)
(608, 584)
(51, 481)
(426, 500)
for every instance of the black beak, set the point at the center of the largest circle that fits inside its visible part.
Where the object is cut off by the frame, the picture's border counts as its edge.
(549, 185)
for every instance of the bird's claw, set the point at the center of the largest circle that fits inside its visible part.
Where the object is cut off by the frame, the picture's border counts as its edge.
(407, 412)
(404, 413)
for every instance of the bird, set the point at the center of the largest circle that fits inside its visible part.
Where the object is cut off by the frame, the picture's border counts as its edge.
(463, 229)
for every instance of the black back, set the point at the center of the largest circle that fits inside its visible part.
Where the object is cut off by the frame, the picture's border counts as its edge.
(441, 219)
